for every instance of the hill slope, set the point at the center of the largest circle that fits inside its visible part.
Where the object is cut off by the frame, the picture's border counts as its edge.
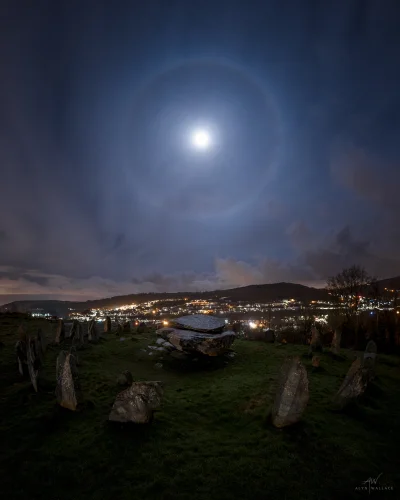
(251, 293)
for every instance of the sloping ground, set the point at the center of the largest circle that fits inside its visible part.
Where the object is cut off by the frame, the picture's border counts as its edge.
(210, 440)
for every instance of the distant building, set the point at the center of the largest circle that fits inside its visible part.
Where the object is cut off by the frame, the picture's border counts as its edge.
(39, 313)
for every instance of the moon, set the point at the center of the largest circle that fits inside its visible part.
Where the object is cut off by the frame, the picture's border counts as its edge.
(201, 139)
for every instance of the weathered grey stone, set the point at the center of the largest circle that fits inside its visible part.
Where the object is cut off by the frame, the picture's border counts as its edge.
(60, 332)
(292, 395)
(92, 331)
(190, 341)
(32, 361)
(369, 359)
(73, 333)
(80, 334)
(125, 378)
(68, 390)
(107, 325)
(120, 329)
(40, 346)
(353, 386)
(337, 336)
(199, 323)
(315, 344)
(137, 403)
(126, 327)
(21, 349)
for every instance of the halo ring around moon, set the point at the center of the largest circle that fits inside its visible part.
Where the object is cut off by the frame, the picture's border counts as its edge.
(147, 197)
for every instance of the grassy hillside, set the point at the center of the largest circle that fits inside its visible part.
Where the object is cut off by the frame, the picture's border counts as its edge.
(211, 438)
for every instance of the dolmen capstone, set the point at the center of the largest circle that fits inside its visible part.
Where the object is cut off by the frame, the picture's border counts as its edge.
(137, 403)
(353, 385)
(68, 388)
(292, 395)
(198, 333)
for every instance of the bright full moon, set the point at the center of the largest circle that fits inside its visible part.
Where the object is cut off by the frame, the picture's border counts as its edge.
(201, 139)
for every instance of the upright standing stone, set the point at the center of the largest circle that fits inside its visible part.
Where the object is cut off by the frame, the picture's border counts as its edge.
(369, 359)
(60, 332)
(107, 325)
(337, 336)
(315, 344)
(39, 346)
(119, 329)
(92, 334)
(74, 329)
(269, 335)
(22, 333)
(67, 391)
(353, 386)
(32, 362)
(292, 395)
(315, 361)
(20, 349)
(127, 327)
(80, 334)
(137, 403)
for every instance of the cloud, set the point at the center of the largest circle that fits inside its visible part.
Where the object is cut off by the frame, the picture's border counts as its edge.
(367, 176)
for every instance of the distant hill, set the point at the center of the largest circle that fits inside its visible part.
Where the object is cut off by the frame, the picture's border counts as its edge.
(252, 293)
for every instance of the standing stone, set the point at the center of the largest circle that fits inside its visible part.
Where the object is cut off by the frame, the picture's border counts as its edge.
(315, 344)
(369, 359)
(60, 332)
(32, 362)
(353, 386)
(137, 403)
(292, 395)
(337, 336)
(125, 378)
(269, 335)
(120, 330)
(22, 333)
(39, 346)
(20, 349)
(107, 325)
(67, 391)
(315, 361)
(127, 327)
(74, 329)
(80, 334)
(92, 334)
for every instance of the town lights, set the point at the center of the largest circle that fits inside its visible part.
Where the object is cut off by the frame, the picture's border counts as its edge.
(252, 324)
(165, 323)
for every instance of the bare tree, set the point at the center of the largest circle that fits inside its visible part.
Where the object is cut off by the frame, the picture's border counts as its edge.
(346, 289)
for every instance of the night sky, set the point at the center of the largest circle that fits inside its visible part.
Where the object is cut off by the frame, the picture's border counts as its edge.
(101, 191)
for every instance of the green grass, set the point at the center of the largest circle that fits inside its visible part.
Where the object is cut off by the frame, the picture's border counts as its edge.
(211, 439)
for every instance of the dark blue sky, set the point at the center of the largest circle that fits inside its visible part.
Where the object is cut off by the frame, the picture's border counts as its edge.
(101, 193)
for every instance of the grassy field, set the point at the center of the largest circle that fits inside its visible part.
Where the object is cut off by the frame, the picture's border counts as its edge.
(211, 439)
